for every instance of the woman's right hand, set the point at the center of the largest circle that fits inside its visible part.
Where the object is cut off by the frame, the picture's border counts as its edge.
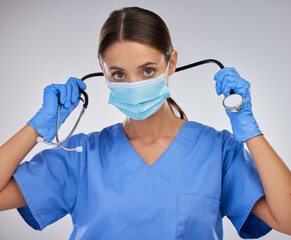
(44, 121)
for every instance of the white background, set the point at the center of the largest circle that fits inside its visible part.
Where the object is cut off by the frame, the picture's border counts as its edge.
(44, 42)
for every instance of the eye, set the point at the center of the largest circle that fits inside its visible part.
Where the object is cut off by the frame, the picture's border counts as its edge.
(118, 75)
(149, 72)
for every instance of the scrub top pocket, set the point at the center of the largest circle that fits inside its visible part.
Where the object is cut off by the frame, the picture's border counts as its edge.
(198, 217)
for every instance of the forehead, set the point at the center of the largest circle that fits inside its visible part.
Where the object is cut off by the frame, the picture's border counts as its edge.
(126, 53)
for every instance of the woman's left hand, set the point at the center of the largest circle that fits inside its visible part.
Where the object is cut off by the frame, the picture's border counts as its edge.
(244, 125)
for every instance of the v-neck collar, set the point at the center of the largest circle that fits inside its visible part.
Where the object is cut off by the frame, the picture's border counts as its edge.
(130, 146)
(149, 176)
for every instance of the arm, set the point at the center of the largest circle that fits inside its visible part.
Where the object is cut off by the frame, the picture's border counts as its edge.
(11, 154)
(42, 124)
(275, 207)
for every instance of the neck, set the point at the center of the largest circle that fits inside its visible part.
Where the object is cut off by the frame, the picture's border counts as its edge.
(163, 123)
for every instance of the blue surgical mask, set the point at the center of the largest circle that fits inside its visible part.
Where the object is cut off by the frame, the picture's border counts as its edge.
(141, 99)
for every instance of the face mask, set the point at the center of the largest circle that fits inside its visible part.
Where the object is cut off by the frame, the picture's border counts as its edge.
(139, 100)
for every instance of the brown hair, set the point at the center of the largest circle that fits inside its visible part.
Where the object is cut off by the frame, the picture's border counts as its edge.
(139, 25)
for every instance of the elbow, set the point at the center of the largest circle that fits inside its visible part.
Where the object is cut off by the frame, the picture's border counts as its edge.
(286, 231)
(284, 226)
(283, 220)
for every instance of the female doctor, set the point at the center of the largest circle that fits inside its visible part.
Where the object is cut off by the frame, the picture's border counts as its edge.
(156, 175)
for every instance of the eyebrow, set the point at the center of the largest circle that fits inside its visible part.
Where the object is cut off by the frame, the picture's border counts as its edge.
(141, 66)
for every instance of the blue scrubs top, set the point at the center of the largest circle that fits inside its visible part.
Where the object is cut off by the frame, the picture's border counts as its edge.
(112, 193)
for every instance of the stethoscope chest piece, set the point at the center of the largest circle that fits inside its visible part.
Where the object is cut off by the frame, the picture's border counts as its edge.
(233, 102)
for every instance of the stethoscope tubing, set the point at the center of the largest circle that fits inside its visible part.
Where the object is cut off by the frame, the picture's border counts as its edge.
(86, 102)
(99, 74)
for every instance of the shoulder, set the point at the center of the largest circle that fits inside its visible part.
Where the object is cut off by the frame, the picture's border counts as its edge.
(221, 143)
(209, 133)
(106, 134)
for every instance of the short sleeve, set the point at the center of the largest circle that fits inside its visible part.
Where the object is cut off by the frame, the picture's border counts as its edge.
(241, 188)
(49, 184)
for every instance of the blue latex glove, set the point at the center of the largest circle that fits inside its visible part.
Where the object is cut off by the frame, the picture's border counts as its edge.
(244, 125)
(44, 121)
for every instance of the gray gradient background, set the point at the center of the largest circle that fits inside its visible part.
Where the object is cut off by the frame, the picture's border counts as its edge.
(44, 42)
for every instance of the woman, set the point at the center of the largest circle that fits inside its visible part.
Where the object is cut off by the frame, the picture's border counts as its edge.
(156, 175)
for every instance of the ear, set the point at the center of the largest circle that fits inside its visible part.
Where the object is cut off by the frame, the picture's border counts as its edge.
(173, 63)
(101, 66)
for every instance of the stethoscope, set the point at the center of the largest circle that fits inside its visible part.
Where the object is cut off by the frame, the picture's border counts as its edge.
(233, 103)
